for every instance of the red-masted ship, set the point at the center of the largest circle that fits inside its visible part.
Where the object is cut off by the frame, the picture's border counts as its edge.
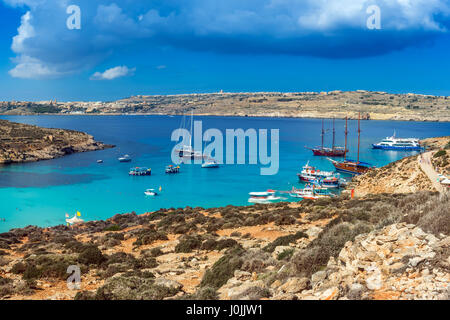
(328, 152)
(351, 166)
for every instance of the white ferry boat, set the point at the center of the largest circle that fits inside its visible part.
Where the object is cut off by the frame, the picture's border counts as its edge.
(402, 144)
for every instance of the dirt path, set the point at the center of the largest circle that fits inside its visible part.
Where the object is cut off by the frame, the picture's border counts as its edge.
(427, 167)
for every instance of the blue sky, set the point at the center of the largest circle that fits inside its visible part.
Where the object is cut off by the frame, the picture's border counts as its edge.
(127, 47)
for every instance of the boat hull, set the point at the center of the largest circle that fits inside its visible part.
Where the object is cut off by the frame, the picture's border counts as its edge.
(395, 148)
(328, 152)
(350, 168)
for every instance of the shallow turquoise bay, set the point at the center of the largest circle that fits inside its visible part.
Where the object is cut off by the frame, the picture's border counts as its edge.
(41, 193)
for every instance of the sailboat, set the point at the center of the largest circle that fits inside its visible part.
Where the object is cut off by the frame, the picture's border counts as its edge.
(328, 152)
(187, 151)
(351, 166)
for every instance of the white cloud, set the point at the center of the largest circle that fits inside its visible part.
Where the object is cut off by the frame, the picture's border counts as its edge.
(44, 47)
(113, 73)
(31, 68)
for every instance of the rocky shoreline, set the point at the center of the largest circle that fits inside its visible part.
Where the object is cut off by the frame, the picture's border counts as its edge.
(26, 143)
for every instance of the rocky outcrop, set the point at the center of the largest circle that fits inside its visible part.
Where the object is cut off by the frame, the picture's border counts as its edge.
(402, 176)
(398, 262)
(27, 143)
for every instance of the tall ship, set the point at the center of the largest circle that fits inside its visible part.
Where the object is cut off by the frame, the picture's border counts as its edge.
(399, 144)
(351, 166)
(328, 152)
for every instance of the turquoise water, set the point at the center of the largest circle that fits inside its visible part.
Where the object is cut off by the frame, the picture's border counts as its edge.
(41, 193)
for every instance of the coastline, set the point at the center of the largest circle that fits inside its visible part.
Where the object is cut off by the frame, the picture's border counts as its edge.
(316, 116)
(338, 104)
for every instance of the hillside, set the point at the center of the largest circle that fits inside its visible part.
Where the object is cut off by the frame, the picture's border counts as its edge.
(27, 143)
(339, 104)
(378, 247)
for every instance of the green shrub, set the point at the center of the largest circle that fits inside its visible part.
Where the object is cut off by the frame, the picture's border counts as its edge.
(440, 153)
(223, 269)
(113, 227)
(91, 255)
(286, 254)
(188, 244)
(285, 240)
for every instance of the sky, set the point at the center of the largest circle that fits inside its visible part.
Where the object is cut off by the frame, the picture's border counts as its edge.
(73, 50)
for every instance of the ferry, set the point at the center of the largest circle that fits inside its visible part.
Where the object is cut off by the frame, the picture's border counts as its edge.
(398, 144)
(263, 197)
(140, 171)
(125, 158)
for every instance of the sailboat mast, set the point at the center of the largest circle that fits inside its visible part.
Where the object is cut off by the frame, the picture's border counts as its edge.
(192, 122)
(323, 134)
(334, 135)
(359, 133)
(346, 134)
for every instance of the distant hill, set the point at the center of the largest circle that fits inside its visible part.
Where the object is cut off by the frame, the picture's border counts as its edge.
(339, 104)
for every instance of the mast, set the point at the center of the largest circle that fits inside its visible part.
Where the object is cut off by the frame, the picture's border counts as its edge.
(334, 135)
(323, 134)
(359, 133)
(346, 134)
(192, 122)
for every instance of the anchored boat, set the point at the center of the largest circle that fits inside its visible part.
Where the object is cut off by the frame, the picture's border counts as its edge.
(210, 164)
(172, 169)
(125, 158)
(150, 192)
(311, 192)
(263, 197)
(328, 152)
(398, 144)
(310, 174)
(351, 166)
(140, 171)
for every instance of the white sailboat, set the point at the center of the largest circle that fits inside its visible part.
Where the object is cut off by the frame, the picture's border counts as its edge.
(187, 151)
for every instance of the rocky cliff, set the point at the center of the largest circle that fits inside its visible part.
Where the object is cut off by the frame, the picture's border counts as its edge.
(27, 143)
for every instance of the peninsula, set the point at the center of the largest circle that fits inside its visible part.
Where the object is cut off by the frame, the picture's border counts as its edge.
(28, 143)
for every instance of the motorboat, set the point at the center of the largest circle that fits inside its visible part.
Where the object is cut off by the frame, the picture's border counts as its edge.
(210, 164)
(125, 158)
(172, 169)
(150, 192)
(263, 197)
(140, 171)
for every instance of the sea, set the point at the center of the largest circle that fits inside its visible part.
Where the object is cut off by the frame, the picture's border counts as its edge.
(43, 193)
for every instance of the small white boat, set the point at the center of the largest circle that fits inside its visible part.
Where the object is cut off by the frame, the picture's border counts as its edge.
(150, 192)
(74, 220)
(125, 158)
(263, 197)
(99, 161)
(210, 164)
